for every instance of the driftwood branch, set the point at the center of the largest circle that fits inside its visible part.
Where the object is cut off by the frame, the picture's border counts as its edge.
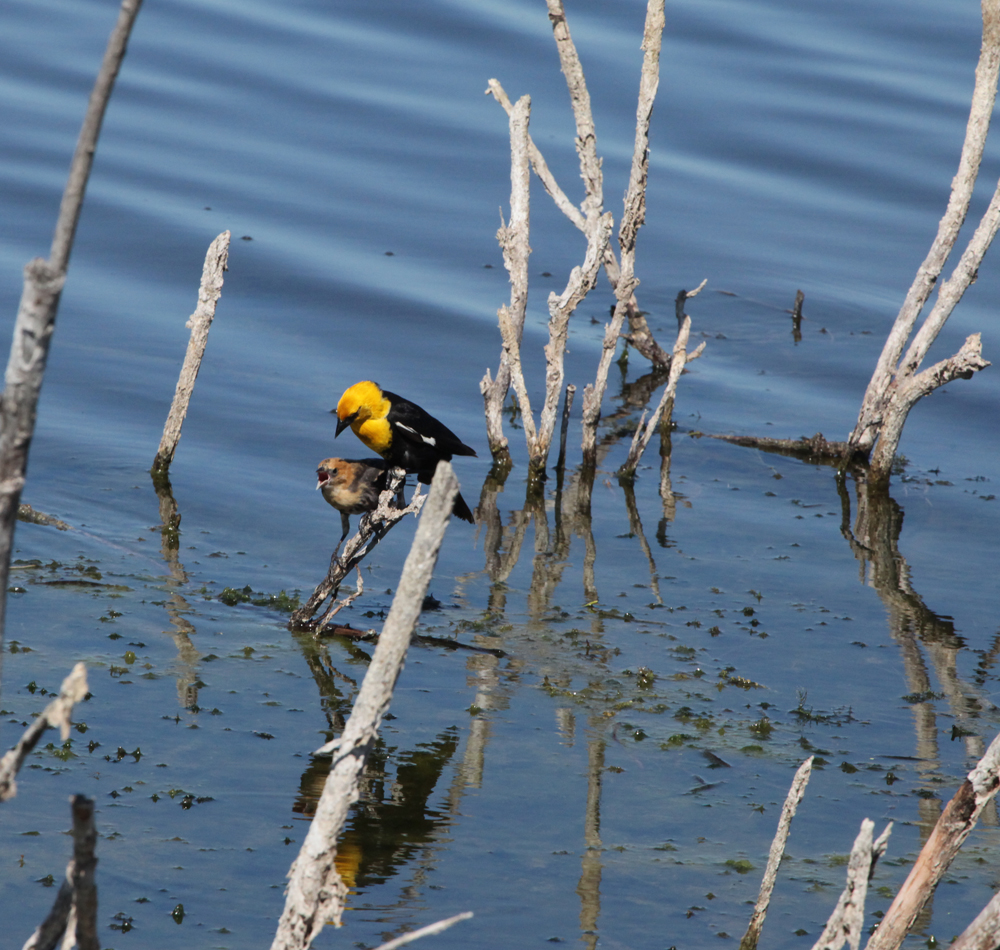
(513, 238)
(664, 410)
(957, 820)
(74, 911)
(984, 932)
(200, 322)
(57, 715)
(315, 891)
(632, 219)
(891, 371)
(372, 527)
(36, 315)
(795, 793)
(846, 921)
(427, 931)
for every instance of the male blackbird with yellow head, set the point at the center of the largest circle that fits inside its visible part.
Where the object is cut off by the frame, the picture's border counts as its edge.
(352, 486)
(401, 432)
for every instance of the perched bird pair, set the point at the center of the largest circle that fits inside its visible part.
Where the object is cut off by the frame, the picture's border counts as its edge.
(402, 433)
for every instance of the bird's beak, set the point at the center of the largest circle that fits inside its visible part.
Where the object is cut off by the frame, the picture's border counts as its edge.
(343, 424)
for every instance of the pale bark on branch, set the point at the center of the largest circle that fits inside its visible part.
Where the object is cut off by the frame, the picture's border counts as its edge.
(513, 238)
(372, 527)
(632, 219)
(848, 918)
(429, 931)
(36, 315)
(200, 322)
(678, 361)
(953, 827)
(316, 892)
(984, 932)
(792, 801)
(882, 398)
(56, 715)
(73, 917)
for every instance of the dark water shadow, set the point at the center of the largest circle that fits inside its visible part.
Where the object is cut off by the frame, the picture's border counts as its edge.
(177, 606)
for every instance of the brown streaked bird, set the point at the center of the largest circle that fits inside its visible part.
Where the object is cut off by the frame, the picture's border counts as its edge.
(352, 486)
(401, 432)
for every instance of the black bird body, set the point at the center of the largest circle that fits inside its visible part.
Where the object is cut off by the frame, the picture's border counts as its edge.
(401, 432)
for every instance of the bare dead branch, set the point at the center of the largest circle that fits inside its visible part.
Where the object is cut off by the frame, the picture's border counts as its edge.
(957, 820)
(513, 240)
(74, 911)
(848, 917)
(57, 715)
(880, 392)
(909, 389)
(984, 932)
(372, 527)
(632, 220)
(315, 891)
(200, 322)
(678, 361)
(586, 137)
(36, 315)
(794, 797)
(427, 931)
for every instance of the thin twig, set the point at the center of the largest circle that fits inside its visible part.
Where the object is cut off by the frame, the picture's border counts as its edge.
(200, 322)
(57, 715)
(795, 793)
(315, 891)
(372, 527)
(678, 361)
(36, 315)
(513, 238)
(427, 931)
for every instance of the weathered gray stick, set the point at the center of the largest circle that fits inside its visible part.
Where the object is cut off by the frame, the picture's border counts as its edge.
(513, 238)
(880, 389)
(846, 921)
(957, 820)
(632, 219)
(199, 324)
(794, 797)
(74, 911)
(83, 869)
(427, 931)
(315, 891)
(57, 715)
(372, 527)
(36, 315)
(984, 932)
(678, 360)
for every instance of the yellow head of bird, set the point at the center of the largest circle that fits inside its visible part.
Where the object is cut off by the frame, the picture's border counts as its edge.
(360, 402)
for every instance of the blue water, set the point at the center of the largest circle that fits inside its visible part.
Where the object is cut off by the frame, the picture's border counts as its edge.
(362, 171)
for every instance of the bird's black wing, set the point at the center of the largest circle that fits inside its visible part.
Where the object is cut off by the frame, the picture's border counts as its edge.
(412, 424)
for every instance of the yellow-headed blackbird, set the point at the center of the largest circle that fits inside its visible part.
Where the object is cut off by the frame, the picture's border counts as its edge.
(352, 486)
(401, 432)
